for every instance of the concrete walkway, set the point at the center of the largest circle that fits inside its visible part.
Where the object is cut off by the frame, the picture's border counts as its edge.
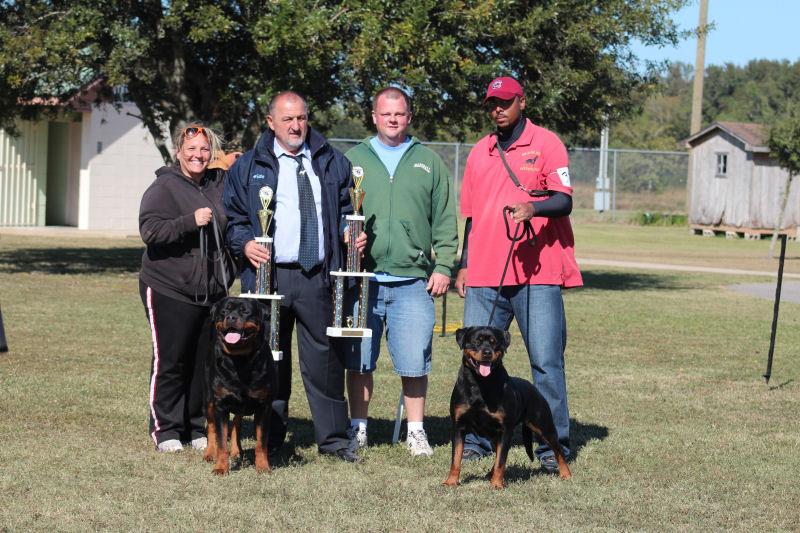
(683, 268)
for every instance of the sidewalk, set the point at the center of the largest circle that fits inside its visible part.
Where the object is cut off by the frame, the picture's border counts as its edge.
(683, 268)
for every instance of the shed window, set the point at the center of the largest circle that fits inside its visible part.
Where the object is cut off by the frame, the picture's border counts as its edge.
(722, 165)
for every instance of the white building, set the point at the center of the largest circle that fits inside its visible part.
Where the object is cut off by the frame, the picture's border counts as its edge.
(87, 169)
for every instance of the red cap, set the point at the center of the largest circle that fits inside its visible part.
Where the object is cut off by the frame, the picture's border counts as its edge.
(504, 88)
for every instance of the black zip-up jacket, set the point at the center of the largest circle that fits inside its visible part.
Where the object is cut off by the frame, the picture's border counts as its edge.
(259, 167)
(173, 262)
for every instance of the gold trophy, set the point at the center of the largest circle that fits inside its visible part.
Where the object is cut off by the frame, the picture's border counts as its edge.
(264, 273)
(352, 326)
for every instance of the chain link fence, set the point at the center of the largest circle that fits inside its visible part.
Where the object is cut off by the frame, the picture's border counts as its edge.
(637, 180)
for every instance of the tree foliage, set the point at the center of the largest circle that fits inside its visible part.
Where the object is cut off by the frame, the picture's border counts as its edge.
(760, 91)
(219, 61)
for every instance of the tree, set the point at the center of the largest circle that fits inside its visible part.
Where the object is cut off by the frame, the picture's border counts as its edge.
(219, 61)
(784, 146)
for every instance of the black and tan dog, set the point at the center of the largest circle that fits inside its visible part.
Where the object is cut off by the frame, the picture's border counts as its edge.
(490, 403)
(239, 376)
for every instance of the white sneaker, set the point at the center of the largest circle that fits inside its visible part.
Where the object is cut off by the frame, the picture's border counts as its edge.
(358, 438)
(200, 443)
(170, 446)
(417, 443)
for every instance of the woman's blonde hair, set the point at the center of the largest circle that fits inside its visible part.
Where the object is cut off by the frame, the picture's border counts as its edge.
(214, 140)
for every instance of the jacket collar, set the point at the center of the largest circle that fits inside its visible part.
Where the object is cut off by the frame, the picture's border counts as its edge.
(264, 152)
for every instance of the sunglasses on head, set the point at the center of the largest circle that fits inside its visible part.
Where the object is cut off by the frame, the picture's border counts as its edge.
(190, 132)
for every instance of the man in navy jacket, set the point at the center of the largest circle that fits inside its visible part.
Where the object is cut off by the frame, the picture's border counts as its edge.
(284, 155)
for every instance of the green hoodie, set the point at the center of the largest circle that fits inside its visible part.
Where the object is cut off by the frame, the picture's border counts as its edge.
(408, 214)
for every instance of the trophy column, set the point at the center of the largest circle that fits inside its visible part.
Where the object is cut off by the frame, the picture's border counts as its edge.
(352, 326)
(264, 275)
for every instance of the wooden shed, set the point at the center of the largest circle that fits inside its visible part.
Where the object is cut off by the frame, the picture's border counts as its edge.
(735, 185)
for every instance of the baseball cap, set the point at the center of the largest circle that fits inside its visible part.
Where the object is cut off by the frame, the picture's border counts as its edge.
(504, 88)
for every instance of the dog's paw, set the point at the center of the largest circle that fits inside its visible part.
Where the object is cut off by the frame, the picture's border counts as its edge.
(220, 471)
(450, 482)
(498, 484)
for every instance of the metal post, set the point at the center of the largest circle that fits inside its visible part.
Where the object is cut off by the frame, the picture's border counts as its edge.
(398, 419)
(444, 315)
(3, 343)
(614, 190)
(775, 310)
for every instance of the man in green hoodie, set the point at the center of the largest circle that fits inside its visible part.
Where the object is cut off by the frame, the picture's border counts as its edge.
(410, 212)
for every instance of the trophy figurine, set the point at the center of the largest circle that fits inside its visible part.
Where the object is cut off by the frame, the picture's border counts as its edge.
(264, 273)
(352, 326)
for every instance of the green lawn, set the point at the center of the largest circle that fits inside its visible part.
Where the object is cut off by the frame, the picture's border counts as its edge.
(672, 425)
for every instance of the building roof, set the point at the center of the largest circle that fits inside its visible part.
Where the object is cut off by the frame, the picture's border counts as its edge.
(754, 136)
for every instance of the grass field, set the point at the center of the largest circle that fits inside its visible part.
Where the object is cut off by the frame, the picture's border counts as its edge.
(672, 425)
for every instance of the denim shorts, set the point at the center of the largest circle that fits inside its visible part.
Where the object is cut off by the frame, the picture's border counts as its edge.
(405, 310)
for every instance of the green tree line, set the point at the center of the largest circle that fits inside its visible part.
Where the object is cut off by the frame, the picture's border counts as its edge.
(220, 60)
(761, 91)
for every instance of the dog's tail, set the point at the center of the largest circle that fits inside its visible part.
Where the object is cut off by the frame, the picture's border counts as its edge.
(527, 440)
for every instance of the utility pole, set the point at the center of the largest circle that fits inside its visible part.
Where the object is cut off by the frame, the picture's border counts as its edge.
(697, 95)
(699, 70)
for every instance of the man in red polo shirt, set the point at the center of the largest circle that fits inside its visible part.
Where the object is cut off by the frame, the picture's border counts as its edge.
(538, 269)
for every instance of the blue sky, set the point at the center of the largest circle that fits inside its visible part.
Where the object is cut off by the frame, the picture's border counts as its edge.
(745, 30)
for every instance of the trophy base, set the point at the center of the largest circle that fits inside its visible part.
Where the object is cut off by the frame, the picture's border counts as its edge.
(277, 355)
(261, 296)
(349, 332)
(343, 274)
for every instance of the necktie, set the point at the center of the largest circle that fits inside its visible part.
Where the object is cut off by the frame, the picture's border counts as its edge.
(308, 254)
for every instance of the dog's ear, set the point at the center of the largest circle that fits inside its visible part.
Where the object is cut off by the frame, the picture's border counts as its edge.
(460, 334)
(215, 307)
(506, 340)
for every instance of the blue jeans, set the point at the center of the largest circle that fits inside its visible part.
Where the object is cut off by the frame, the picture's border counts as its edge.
(539, 310)
(405, 310)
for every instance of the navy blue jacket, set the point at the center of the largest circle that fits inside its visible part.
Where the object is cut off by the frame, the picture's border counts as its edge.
(259, 167)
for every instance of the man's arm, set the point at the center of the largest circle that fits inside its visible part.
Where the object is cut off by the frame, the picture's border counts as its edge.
(461, 278)
(240, 234)
(559, 204)
(444, 231)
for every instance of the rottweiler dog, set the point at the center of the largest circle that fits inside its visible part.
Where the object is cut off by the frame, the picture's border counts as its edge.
(490, 403)
(239, 380)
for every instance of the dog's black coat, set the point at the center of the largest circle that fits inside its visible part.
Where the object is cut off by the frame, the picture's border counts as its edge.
(239, 377)
(491, 403)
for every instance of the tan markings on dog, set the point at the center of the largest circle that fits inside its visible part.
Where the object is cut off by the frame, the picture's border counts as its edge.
(473, 354)
(236, 438)
(455, 464)
(262, 459)
(460, 410)
(258, 394)
(221, 392)
(499, 468)
(211, 447)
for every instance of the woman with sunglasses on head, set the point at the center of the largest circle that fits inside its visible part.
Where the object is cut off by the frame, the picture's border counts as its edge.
(182, 223)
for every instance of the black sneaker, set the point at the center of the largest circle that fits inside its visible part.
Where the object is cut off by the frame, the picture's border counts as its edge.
(345, 454)
(471, 455)
(549, 464)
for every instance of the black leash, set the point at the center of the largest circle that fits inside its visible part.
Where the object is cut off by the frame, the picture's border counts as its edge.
(527, 231)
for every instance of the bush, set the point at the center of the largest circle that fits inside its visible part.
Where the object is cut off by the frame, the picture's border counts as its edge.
(659, 219)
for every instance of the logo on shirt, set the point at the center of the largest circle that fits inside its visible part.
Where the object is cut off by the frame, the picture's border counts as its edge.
(423, 166)
(531, 160)
(563, 175)
(257, 177)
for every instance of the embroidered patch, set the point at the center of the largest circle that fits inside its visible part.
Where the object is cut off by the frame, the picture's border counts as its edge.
(497, 84)
(423, 166)
(258, 177)
(563, 175)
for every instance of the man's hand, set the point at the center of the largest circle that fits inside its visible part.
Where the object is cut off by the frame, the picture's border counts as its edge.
(461, 282)
(522, 211)
(255, 253)
(202, 216)
(438, 284)
(361, 241)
